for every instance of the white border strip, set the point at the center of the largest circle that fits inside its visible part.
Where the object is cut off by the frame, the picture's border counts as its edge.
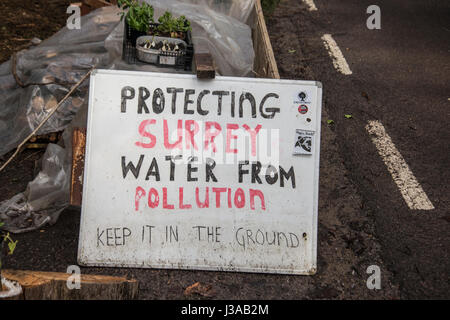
(339, 62)
(411, 190)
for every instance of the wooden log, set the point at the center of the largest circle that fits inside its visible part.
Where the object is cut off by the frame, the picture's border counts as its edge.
(38, 285)
(78, 150)
(89, 5)
(264, 65)
(95, 4)
(204, 66)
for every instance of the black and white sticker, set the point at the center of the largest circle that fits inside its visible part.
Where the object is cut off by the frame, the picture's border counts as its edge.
(302, 97)
(304, 141)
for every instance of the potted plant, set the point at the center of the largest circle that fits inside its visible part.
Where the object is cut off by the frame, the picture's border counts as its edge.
(8, 289)
(168, 44)
(137, 19)
(172, 27)
(164, 43)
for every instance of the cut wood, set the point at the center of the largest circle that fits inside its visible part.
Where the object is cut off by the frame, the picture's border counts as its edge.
(78, 150)
(38, 285)
(204, 65)
(264, 65)
(95, 4)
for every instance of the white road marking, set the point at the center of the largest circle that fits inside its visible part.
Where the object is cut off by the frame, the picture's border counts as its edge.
(311, 5)
(335, 53)
(411, 190)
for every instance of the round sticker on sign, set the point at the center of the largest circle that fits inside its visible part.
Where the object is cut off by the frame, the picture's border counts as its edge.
(303, 109)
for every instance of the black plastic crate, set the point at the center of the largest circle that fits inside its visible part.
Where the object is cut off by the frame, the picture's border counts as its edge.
(129, 55)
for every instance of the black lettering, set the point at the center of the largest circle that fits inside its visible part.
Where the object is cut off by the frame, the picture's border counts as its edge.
(158, 101)
(290, 174)
(172, 165)
(125, 234)
(217, 234)
(233, 103)
(285, 238)
(247, 96)
(242, 242)
(130, 166)
(153, 170)
(210, 165)
(191, 169)
(219, 95)
(272, 111)
(188, 101)
(270, 242)
(250, 236)
(271, 175)
(174, 92)
(125, 96)
(116, 237)
(99, 235)
(291, 235)
(198, 231)
(241, 171)
(259, 232)
(108, 237)
(144, 94)
(256, 169)
(199, 103)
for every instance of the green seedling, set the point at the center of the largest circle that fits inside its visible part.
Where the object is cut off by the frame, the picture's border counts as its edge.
(173, 26)
(138, 17)
(6, 238)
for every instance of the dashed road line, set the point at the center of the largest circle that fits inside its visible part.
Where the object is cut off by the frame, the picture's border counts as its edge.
(411, 190)
(311, 5)
(336, 55)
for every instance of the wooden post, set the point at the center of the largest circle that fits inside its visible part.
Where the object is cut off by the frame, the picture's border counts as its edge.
(264, 65)
(204, 66)
(78, 150)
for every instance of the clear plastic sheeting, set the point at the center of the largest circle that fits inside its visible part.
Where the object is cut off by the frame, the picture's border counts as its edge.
(45, 197)
(58, 63)
(226, 38)
(51, 68)
(238, 9)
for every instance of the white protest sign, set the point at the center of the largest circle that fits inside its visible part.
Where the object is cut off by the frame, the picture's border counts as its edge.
(191, 174)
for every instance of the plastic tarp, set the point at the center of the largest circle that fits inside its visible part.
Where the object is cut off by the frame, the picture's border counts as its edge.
(51, 68)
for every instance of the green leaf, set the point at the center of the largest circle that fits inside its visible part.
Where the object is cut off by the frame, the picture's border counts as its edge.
(330, 121)
(169, 24)
(12, 246)
(2, 224)
(138, 17)
(348, 116)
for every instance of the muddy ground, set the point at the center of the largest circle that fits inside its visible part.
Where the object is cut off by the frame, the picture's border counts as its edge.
(21, 20)
(347, 243)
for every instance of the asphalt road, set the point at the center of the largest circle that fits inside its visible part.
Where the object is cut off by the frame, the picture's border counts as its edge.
(400, 77)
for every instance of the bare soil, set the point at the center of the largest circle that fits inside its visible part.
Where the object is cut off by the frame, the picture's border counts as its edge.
(23, 20)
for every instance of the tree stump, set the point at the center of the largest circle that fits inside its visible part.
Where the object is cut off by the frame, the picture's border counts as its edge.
(37, 285)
